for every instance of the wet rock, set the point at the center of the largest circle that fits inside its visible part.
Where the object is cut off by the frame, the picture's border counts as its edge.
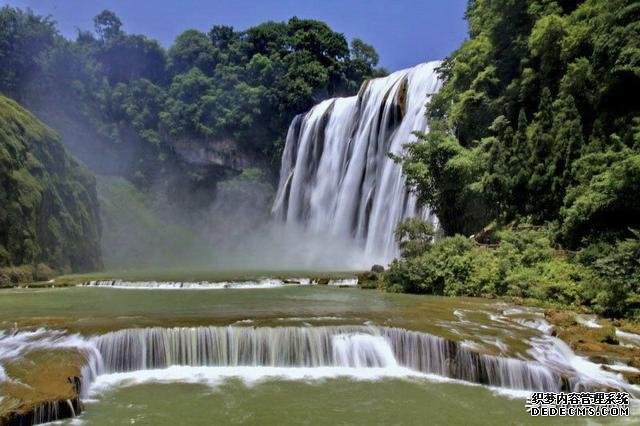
(608, 335)
(561, 318)
(599, 359)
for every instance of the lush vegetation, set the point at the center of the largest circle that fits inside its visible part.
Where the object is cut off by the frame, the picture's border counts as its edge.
(523, 264)
(48, 203)
(123, 103)
(538, 123)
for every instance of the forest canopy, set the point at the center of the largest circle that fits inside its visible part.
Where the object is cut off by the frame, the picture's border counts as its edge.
(130, 99)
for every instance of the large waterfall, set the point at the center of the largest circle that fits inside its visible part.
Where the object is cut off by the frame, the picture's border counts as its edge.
(336, 177)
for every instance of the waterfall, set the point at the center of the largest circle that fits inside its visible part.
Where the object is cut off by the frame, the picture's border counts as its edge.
(336, 177)
(332, 346)
(329, 351)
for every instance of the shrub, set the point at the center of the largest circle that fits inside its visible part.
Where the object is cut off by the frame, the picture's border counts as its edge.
(524, 264)
(43, 272)
(616, 266)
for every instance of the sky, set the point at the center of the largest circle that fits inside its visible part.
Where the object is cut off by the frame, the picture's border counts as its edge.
(403, 32)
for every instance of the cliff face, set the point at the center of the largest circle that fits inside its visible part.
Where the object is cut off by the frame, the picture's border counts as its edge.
(48, 202)
(225, 154)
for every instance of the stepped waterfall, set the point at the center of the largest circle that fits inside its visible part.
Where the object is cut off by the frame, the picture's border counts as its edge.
(336, 177)
(198, 354)
(338, 347)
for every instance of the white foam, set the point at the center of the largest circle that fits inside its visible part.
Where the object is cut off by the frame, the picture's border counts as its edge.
(344, 282)
(250, 376)
(556, 354)
(618, 366)
(244, 321)
(632, 338)
(201, 285)
(589, 321)
(214, 376)
(14, 344)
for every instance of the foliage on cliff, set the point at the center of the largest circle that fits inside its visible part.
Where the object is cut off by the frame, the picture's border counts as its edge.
(48, 202)
(127, 98)
(538, 122)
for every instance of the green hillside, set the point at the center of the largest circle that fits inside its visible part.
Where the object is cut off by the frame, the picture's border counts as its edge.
(48, 202)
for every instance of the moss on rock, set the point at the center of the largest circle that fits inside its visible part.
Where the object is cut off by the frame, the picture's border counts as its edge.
(48, 203)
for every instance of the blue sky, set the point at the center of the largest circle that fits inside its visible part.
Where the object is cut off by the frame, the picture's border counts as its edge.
(404, 32)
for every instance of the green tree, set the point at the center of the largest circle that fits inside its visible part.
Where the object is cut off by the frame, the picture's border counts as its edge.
(24, 40)
(414, 237)
(191, 49)
(107, 25)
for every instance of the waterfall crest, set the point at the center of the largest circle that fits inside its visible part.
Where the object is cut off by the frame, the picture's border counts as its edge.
(336, 177)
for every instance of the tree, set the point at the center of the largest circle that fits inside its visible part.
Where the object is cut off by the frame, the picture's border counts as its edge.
(24, 39)
(191, 49)
(533, 59)
(540, 140)
(107, 25)
(567, 131)
(222, 36)
(363, 59)
(414, 237)
(130, 57)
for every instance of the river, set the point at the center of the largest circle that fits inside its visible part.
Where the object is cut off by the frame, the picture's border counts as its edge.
(286, 352)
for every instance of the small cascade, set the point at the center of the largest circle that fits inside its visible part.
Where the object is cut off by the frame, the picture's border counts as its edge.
(141, 349)
(336, 177)
(201, 285)
(344, 282)
(432, 354)
(362, 350)
(46, 412)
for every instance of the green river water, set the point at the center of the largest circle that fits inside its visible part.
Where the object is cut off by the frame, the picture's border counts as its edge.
(275, 400)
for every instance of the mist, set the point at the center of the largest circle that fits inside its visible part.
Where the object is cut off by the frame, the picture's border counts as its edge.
(235, 231)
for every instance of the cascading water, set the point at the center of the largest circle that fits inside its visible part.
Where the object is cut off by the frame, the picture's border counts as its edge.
(336, 176)
(339, 346)
(370, 352)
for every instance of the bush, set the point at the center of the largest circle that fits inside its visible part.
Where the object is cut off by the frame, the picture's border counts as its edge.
(524, 264)
(616, 291)
(556, 280)
(16, 274)
(43, 272)
(443, 269)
